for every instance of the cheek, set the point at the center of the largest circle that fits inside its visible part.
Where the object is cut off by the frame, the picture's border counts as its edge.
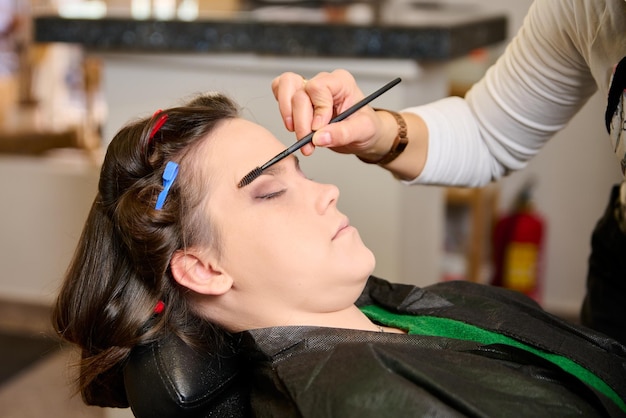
(260, 245)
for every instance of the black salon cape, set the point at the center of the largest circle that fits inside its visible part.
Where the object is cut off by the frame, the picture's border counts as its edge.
(319, 372)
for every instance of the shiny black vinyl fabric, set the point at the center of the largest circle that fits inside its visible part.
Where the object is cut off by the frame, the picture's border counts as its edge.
(324, 372)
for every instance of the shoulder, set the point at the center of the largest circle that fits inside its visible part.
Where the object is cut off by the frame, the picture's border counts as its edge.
(306, 370)
(452, 290)
(492, 308)
(438, 295)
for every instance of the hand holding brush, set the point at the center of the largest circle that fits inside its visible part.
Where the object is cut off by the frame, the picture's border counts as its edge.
(252, 175)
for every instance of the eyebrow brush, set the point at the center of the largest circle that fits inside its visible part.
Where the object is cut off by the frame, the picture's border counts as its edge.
(248, 178)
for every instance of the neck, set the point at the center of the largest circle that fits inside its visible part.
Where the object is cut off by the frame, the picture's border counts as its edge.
(236, 312)
(349, 318)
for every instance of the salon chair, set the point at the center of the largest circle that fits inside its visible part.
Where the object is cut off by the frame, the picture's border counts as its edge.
(168, 378)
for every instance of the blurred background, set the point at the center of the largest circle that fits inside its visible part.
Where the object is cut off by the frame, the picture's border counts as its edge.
(73, 72)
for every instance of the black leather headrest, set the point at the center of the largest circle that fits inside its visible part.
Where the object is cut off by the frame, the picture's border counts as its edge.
(169, 378)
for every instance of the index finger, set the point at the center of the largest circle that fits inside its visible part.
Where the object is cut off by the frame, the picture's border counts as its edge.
(331, 94)
(284, 88)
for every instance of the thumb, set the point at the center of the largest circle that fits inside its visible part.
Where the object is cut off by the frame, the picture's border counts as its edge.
(322, 138)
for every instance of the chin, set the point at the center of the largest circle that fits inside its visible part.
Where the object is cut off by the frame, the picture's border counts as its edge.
(359, 263)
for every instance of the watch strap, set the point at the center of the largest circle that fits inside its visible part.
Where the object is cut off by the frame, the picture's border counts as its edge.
(399, 143)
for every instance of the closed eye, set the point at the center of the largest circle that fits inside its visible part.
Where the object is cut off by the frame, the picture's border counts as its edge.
(272, 195)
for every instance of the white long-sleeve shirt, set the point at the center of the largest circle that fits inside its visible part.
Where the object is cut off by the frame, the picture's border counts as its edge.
(564, 51)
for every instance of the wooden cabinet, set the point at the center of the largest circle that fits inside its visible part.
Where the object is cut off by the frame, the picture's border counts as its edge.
(470, 215)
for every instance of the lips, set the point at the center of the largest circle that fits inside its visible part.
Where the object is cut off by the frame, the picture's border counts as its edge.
(345, 223)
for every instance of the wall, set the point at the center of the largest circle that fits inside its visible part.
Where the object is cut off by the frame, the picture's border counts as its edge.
(44, 205)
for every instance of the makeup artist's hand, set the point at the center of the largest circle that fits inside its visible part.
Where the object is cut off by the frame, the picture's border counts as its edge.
(308, 105)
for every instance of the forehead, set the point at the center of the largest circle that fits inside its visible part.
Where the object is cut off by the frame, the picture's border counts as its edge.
(238, 146)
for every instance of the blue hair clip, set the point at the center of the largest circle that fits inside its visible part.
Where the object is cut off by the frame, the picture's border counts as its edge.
(169, 175)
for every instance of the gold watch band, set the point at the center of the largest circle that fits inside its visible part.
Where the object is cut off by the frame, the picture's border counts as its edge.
(399, 143)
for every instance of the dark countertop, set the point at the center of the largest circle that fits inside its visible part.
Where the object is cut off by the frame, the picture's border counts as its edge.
(447, 36)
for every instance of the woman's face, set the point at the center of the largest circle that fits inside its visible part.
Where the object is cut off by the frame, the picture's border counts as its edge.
(283, 240)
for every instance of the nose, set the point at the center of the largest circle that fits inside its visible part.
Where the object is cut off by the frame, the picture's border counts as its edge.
(327, 197)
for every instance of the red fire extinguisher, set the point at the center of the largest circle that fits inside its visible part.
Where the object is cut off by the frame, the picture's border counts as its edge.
(518, 247)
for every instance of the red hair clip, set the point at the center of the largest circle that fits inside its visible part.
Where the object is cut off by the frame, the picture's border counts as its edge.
(159, 307)
(158, 125)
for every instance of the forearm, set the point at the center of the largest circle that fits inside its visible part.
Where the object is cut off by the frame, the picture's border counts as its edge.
(456, 153)
(444, 145)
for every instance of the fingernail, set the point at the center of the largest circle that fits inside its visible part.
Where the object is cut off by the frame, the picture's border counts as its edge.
(289, 123)
(322, 139)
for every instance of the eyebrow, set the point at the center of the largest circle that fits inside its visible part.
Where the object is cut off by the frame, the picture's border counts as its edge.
(279, 168)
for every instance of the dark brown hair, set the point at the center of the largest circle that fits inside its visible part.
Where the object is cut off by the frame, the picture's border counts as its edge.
(121, 266)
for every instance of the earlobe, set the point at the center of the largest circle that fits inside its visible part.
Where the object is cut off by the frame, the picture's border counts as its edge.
(198, 274)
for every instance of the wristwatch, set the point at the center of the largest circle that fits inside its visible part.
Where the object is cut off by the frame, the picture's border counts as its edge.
(399, 143)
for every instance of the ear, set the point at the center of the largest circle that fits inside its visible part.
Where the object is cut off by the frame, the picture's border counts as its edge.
(195, 271)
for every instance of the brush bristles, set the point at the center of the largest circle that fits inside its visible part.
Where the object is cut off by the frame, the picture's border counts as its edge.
(248, 178)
